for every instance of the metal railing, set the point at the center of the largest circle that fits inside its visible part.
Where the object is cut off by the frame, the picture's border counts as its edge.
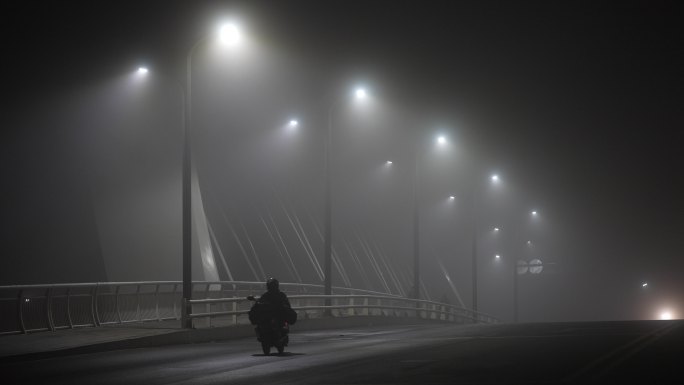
(313, 306)
(32, 308)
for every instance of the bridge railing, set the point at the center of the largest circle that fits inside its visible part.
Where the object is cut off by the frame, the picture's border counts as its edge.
(32, 308)
(233, 310)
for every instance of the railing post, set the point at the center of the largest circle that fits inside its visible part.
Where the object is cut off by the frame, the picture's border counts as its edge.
(173, 300)
(48, 309)
(365, 307)
(20, 313)
(92, 305)
(235, 317)
(156, 302)
(97, 307)
(351, 309)
(68, 293)
(137, 303)
(307, 302)
(116, 303)
(208, 306)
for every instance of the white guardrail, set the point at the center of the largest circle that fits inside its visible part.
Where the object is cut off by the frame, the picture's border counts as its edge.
(32, 308)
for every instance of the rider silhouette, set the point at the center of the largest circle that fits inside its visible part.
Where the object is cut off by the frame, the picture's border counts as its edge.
(275, 302)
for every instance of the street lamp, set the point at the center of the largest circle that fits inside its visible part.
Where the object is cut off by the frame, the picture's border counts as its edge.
(534, 266)
(441, 141)
(229, 34)
(359, 94)
(494, 179)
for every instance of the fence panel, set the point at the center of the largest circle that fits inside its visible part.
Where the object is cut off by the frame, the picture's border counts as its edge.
(29, 308)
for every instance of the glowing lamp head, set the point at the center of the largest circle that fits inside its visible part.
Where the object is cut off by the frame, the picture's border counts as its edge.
(645, 284)
(142, 71)
(360, 94)
(497, 256)
(441, 140)
(389, 163)
(230, 34)
(496, 229)
(666, 315)
(293, 123)
(495, 178)
(451, 197)
(534, 213)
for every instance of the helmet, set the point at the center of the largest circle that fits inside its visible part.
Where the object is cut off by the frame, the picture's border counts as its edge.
(272, 284)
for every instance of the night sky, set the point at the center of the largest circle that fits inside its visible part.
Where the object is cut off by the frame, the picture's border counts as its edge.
(576, 105)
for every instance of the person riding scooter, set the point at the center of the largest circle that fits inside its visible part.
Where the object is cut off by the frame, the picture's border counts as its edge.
(272, 314)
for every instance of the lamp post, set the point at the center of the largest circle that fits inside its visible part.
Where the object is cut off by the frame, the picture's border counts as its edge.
(416, 231)
(521, 267)
(359, 94)
(442, 141)
(494, 179)
(229, 34)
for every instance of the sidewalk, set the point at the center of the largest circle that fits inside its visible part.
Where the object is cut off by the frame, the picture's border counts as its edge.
(41, 345)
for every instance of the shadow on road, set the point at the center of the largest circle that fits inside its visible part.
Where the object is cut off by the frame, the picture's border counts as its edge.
(284, 354)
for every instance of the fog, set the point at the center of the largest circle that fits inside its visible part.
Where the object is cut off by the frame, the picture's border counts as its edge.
(552, 101)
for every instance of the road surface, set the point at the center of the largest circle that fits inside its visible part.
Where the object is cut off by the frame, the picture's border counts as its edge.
(645, 352)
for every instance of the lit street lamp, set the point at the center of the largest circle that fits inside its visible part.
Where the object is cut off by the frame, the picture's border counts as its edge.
(360, 94)
(534, 266)
(494, 179)
(441, 141)
(230, 35)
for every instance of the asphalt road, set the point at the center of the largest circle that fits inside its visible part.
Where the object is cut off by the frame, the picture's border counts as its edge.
(644, 352)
